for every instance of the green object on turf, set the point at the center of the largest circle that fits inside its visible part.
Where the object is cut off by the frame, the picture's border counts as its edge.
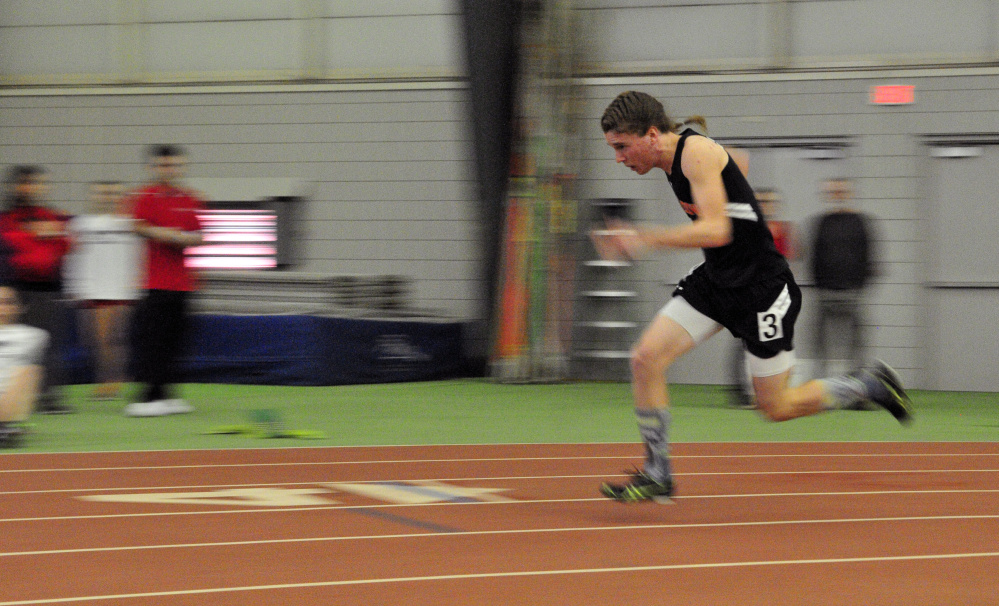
(229, 430)
(265, 423)
(257, 431)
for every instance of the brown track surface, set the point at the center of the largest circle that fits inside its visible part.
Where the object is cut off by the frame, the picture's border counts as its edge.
(795, 524)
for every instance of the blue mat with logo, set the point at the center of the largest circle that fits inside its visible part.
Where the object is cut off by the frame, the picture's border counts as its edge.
(308, 350)
(313, 350)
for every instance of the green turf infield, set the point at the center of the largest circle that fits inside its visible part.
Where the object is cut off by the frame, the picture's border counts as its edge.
(479, 411)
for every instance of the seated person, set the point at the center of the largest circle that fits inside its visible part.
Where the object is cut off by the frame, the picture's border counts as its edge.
(21, 351)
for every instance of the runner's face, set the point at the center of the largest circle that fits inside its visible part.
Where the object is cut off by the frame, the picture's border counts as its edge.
(637, 152)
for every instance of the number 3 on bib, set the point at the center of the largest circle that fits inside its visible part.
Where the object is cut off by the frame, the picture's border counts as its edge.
(769, 325)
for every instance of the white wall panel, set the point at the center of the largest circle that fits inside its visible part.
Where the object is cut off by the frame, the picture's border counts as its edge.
(166, 40)
(394, 43)
(62, 41)
(616, 4)
(58, 12)
(369, 8)
(876, 29)
(77, 50)
(199, 10)
(670, 33)
(224, 46)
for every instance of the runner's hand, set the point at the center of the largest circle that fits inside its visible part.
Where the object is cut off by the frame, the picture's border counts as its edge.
(620, 240)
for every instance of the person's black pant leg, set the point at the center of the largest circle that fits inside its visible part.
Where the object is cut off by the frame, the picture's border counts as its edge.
(175, 330)
(160, 324)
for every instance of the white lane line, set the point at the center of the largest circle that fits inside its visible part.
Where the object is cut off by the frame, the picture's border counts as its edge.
(245, 510)
(500, 575)
(483, 460)
(520, 531)
(101, 489)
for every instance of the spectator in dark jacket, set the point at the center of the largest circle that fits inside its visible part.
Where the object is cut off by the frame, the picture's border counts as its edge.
(843, 263)
(37, 241)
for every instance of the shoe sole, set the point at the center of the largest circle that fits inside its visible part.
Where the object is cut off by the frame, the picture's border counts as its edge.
(608, 491)
(887, 375)
(144, 413)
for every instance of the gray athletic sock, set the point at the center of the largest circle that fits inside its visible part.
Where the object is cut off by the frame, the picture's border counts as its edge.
(844, 391)
(654, 426)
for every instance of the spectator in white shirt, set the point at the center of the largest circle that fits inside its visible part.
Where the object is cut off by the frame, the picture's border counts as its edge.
(103, 276)
(21, 351)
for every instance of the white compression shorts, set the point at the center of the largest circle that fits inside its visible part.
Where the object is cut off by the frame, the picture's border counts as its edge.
(700, 328)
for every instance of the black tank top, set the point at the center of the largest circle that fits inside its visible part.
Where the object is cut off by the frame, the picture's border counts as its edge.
(751, 255)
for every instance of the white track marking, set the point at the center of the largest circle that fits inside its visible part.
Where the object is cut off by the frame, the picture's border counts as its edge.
(514, 574)
(99, 489)
(773, 473)
(503, 478)
(235, 497)
(418, 492)
(485, 460)
(522, 531)
(451, 504)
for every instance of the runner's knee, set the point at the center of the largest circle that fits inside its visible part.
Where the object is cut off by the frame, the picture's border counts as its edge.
(648, 361)
(770, 379)
(776, 409)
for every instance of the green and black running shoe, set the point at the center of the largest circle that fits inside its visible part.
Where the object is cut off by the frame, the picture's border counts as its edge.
(880, 385)
(640, 488)
(883, 387)
(895, 401)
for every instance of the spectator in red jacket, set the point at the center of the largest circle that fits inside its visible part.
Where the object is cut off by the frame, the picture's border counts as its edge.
(37, 242)
(166, 216)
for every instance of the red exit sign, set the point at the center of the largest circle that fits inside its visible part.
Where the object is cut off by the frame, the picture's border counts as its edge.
(896, 94)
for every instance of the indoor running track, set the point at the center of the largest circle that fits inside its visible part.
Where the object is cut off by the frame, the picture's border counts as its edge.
(802, 523)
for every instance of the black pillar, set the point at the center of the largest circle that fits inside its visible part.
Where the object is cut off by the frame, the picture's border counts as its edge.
(491, 50)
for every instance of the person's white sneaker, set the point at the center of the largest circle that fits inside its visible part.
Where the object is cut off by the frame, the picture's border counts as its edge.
(177, 407)
(156, 408)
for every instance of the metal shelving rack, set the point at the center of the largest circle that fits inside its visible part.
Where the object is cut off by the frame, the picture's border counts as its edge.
(605, 324)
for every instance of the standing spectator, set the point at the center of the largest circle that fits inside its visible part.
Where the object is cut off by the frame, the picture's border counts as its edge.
(21, 351)
(741, 392)
(38, 242)
(102, 275)
(782, 231)
(166, 216)
(842, 259)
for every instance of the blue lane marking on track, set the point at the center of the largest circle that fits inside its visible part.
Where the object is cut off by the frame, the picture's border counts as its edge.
(403, 520)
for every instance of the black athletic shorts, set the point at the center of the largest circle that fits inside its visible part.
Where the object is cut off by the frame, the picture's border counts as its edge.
(761, 314)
